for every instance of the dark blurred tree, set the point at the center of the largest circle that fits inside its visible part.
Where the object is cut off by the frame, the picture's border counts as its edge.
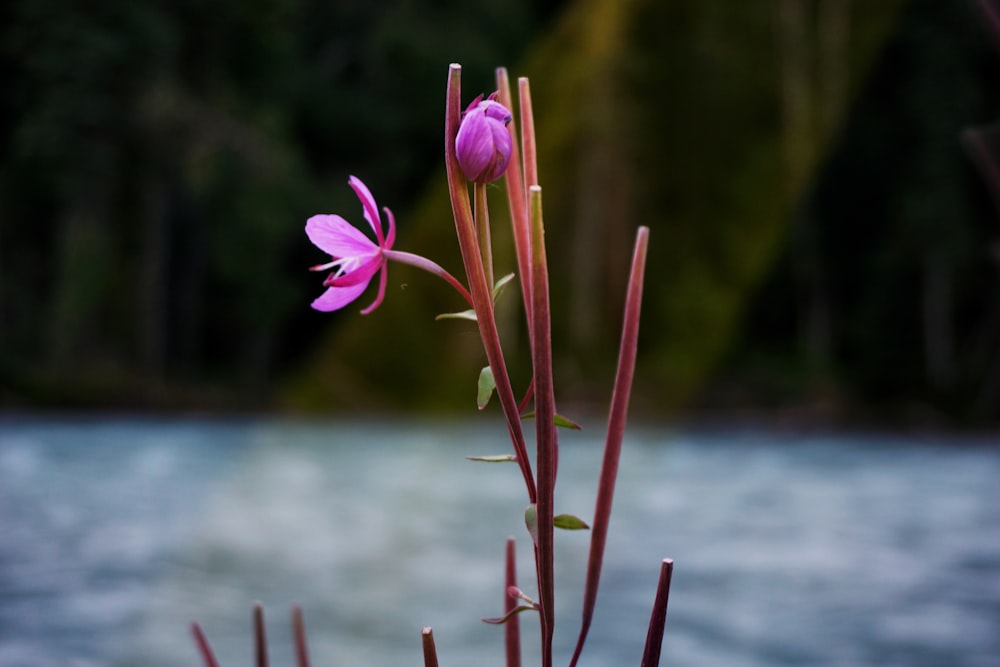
(663, 114)
(904, 230)
(157, 163)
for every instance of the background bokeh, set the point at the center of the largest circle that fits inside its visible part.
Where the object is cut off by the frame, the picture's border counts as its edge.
(823, 245)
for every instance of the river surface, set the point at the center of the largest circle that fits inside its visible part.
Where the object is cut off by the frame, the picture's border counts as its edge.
(818, 550)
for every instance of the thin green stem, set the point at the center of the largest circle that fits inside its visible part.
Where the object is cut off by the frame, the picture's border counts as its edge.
(482, 217)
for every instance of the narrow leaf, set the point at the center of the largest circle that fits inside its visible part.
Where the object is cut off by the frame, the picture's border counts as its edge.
(500, 620)
(500, 458)
(500, 284)
(486, 386)
(566, 423)
(569, 522)
(531, 521)
(464, 315)
(558, 420)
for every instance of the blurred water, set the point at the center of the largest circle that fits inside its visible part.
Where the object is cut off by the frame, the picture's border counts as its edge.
(832, 550)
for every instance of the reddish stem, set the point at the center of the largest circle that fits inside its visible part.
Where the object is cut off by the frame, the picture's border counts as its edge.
(545, 429)
(299, 637)
(430, 267)
(658, 617)
(260, 637)
(203, 646)
(482, 292)
(512, 629)
(528, 146)
(430, 651)
(616, 432)
(517, 199)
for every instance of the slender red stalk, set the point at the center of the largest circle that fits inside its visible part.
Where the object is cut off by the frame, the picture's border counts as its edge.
(512, 629)
(203, 646)
(430, 267)
(658, 617)
(528, 146)
(430, 651)
(260, 637)
(545, 428)
(616, 431)
(299, 637)
(482, 292)
(517, 199)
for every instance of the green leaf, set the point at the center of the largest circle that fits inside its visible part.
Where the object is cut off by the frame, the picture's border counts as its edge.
(569, 522)
(502, 458)
(558, 420)
(486, 386)
(500, 284)
(509, 615)
(531, 521)
(464, 315)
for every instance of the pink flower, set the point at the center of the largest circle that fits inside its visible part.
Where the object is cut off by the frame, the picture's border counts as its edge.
(483, 143)
(356, 259)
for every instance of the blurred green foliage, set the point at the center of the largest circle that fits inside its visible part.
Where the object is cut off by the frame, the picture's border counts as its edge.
(158, 161)
(818, 237)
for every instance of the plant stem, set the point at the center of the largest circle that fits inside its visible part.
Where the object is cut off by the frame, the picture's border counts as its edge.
(517, 199)
(430, 267)
(545, 429)
(299, 637)
(482, 218)
(260, 637)
(616, 432)
(482, 292)
(658, 617)
(512, 629)
(430, 651)
(203, 646)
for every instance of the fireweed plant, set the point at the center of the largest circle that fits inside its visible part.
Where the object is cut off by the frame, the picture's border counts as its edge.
(481, 146)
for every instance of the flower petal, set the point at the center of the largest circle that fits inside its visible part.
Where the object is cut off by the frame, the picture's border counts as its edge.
(362, 273)
(369, 206)
(383, 279)
(391, 238)
(337, 237)
(336, 298)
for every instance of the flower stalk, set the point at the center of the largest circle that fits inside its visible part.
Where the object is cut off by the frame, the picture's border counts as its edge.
(616, 432)
(545, 429)
(481, 290)
(481, 146)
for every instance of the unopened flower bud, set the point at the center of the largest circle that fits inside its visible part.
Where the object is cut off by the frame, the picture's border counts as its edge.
(483, 142)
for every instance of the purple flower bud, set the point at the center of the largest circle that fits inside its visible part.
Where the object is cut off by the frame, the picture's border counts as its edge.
(483, 142)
